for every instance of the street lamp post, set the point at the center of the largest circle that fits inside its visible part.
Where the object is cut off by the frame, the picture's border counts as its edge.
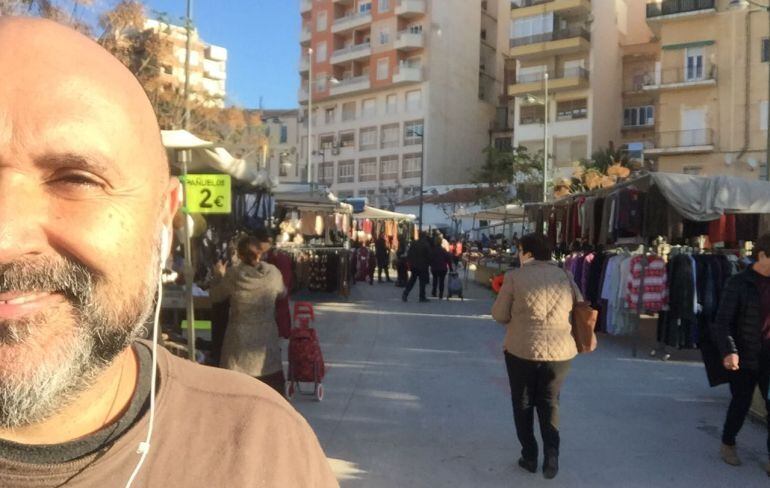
(310, 118)
(545, 140)
(422, 170)
(188, 29)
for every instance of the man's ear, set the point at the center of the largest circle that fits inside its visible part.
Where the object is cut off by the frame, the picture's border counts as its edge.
(172, 201)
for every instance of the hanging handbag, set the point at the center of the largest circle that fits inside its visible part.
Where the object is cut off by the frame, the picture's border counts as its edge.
(584, 319)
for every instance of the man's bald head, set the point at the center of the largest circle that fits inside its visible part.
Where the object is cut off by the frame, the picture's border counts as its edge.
(47, 60)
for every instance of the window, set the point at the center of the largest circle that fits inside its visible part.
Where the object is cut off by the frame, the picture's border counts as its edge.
(342, 195)
(390, 136)
(368, 138)
(320, 84)
(694, 63)
(385, 35)
(413, 101)
(639, 116)
(568, 149)
(383, 69)
(284, 134)
(412, 166)
(321, 52)
(384, 5)
(415, 29)
(367, 169)
(327, 173)
(369, 108)
(532, 26)
(391, 104)
(692, 170)
(763, 172)
(330, 115)
(572, 109)
(321, 22)
(346, 172)
(531, 114)
(365, 7)
(765, 50)
(388, 198)
(326, 141)
(503, 144)
(348, 111)
(413, 132)
(348, 139)
(763, 115)
(283, 165)
(389, 167)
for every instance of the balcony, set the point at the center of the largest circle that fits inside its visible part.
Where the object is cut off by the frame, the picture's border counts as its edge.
(410, 8)
(570, 40)
(302, 95)
(673, 9)
(408, 74)
(304, 64)
(305, 6)
(351, 53)
(682, 78)
(527, 8)
(351, 21)
(409, 41)
(569, 79)
(683, 142)
(305, 35)
(351, 85)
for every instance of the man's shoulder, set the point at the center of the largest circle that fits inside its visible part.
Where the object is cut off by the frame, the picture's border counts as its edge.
(204, 384)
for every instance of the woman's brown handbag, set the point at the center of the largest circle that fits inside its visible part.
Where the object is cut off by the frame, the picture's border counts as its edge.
(584, 319)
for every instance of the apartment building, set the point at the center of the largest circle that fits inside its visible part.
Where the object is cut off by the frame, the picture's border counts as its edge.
(208, 64)
(706, 88)
(282, 159)
(579, 45)
(395, 83)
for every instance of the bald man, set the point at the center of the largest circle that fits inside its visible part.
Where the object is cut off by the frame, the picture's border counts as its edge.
(85, 196)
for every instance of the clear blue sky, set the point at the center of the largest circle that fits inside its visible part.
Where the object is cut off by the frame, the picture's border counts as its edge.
(262, 39)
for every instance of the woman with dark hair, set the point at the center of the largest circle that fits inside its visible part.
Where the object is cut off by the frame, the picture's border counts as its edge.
(251, 343)
(535, 304)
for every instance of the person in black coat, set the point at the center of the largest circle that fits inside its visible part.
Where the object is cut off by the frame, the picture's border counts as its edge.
(383, 258)
(741, 331)
(440, 265)
(419, 262)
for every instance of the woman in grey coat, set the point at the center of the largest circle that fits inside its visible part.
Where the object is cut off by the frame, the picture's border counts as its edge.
(251, 345)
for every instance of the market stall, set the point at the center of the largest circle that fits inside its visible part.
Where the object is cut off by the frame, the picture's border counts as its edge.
(660, 245)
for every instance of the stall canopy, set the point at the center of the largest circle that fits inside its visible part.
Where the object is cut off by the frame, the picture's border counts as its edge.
(506, 213)
(372, 213)
(311, 201)
(207, 158)
(705, 199)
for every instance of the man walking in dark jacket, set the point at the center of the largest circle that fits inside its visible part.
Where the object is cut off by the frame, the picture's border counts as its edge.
(742, 334)
(419, 262)
(383, 258)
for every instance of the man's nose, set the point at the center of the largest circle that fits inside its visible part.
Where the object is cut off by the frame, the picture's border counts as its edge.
(22, 216)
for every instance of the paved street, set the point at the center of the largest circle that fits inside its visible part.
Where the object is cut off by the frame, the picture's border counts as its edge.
(417, 396)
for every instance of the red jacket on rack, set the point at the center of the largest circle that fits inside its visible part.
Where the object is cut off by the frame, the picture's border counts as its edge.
(282, 309)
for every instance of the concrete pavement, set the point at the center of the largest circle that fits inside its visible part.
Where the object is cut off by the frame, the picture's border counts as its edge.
(417, 396)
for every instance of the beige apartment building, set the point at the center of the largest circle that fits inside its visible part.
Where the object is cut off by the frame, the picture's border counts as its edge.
(701, 88)
(396, 82)
(579, 45)
(208, 64)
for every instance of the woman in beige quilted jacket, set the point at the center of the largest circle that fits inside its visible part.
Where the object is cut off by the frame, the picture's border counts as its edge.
(535, 303)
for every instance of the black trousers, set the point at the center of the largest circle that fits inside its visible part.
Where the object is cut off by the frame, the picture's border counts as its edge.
(743, 383)
(535, 385)
(383, 266)
(439, 281)
(421, 275)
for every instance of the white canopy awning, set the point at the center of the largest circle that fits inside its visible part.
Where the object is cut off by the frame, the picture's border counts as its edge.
(207, 158)
(506, 213)
(312, 201)
(373, 213)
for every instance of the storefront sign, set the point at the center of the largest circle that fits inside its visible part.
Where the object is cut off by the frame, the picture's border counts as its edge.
(208, 194)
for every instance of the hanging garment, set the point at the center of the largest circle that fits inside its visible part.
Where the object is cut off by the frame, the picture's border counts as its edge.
(722, 232)
(747, 227)
(629, 210)
(656, 214)
(648, 280)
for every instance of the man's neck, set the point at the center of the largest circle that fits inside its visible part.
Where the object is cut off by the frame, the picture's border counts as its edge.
(100, 405)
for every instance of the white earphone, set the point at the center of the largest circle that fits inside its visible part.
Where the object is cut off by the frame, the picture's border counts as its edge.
(143, 448)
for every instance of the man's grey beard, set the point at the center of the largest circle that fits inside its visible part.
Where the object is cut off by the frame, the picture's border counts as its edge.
(99, 329)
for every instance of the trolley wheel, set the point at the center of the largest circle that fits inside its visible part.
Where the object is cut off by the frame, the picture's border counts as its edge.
(319, 392)
(290, 390)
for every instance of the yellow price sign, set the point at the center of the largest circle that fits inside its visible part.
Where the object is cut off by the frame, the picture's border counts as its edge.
(208, 194)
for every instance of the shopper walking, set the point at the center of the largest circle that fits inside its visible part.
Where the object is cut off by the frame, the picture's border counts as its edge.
(419, 261)
(383, 258)
(251, 344)
(741, 331)
(440, 265)
(535, 303)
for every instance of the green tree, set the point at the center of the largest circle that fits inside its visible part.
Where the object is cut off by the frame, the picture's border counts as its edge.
(504, 169)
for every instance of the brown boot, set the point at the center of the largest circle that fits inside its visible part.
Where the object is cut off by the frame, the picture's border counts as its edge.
(730, 455)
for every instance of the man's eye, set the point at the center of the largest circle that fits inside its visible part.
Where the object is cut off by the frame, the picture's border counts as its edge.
(78, 180)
